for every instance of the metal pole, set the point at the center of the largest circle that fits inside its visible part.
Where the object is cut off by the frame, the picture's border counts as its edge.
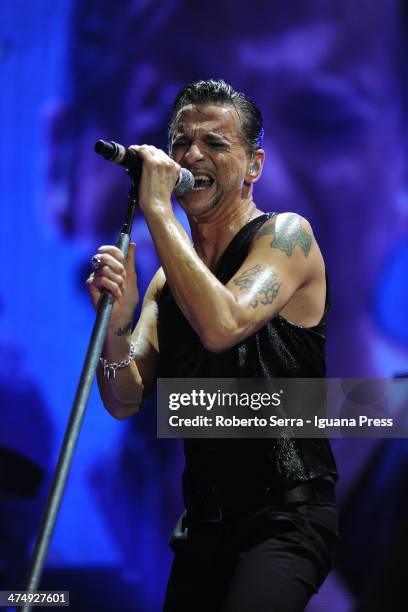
(77, 413)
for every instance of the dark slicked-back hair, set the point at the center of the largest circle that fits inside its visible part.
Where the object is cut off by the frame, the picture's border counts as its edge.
(219, 92)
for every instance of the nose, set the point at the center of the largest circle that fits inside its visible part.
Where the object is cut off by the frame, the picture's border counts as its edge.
(193, 154)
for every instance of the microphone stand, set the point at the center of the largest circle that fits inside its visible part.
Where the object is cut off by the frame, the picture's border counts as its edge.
(78, 408)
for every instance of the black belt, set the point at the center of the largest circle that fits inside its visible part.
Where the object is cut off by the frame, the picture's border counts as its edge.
(320, 490)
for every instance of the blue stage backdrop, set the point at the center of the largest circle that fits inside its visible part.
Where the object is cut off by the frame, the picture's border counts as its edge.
(331, 81)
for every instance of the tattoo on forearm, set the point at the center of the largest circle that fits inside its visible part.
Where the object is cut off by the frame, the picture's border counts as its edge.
(290, 234)
(264, 288)
(122, 331)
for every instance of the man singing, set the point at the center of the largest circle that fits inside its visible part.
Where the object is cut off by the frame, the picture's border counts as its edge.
(247, 299)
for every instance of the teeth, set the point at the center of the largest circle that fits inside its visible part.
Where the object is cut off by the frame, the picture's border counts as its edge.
(201, 177)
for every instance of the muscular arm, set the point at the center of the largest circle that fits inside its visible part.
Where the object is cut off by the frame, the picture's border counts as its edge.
(124, 395)
(283, 259)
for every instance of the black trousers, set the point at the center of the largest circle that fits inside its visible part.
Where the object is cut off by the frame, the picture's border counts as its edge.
(273, 561)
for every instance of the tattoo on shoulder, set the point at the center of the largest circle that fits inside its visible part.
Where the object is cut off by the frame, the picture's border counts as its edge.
(122, 331)
(262, 287)
(290, 235)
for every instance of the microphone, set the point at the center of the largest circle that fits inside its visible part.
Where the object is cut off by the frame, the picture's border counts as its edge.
(117, 153)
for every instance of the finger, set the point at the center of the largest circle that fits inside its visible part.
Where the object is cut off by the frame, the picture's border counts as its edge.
(108, 260)
(107, 272)
(169, 162)
(112, 250)
(143, 150)
(104, 283)
(94, 291)
(130, 259)
(150, 153)
(90, 284)
(156, 158)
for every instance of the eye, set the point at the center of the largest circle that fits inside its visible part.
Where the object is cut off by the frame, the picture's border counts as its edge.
(217, 145)
(178, 144)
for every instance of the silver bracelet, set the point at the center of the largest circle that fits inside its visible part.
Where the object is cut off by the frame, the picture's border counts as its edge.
(109, 369)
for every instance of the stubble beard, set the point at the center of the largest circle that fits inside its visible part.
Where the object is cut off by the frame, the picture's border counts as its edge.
(205, 207)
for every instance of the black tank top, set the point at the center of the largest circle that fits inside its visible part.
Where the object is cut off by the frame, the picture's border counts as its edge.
(230, 471)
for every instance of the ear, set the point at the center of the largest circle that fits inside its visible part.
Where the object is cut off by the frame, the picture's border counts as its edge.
(255, 166)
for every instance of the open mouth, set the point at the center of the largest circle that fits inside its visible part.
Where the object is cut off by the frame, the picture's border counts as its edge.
(202, 181)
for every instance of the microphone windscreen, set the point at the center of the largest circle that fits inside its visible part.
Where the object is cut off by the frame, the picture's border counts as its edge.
(185, 182)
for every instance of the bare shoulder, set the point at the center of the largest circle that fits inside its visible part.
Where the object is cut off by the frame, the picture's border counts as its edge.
(287, 231)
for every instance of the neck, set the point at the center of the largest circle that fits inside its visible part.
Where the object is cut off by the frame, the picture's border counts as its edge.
(212, 235)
